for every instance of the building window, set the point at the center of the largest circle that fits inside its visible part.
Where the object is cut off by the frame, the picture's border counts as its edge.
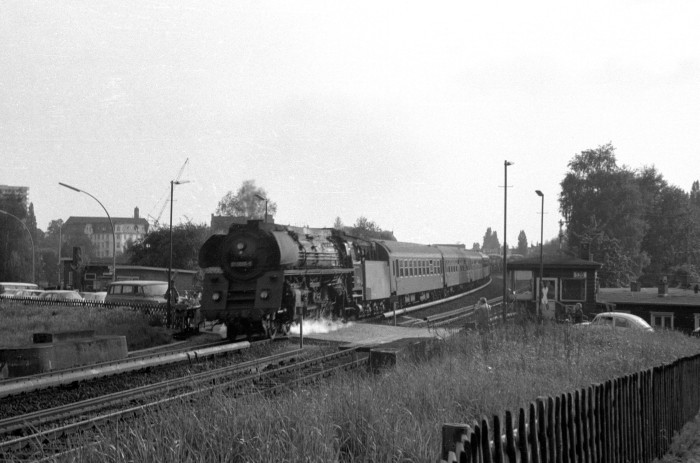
(573, 289)
(662, 320)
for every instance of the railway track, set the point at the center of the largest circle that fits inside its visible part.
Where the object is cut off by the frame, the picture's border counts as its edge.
(25, 384)
(46, 431)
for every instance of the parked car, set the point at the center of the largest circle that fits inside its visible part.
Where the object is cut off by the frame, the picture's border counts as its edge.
(60, 295)
(8, 289)
(98, 296)
(27, 294)
(137, 292)
(618, 320)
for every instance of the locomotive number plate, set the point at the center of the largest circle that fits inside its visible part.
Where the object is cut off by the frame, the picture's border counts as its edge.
(241, 264)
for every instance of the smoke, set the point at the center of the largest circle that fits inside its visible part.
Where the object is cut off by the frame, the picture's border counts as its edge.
(319, 326)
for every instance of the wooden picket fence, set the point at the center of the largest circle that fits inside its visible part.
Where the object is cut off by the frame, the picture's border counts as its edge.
(628, 419)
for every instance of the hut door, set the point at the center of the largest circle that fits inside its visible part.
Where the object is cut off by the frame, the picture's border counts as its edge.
(548, 300)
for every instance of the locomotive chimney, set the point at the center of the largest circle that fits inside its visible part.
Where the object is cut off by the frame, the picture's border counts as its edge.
(136, 212)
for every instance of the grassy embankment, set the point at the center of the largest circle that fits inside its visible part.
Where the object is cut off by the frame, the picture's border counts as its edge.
(20, 321)
(397, 415)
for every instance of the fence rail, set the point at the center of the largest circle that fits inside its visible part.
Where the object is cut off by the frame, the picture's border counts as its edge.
(630, 418)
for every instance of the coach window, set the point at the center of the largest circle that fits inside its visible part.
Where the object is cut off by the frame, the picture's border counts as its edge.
(697, 321)
(662, 320)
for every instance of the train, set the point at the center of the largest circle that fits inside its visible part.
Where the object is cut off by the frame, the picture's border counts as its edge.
(260, 277)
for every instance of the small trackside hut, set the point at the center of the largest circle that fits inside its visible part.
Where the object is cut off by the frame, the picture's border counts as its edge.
(566, 280)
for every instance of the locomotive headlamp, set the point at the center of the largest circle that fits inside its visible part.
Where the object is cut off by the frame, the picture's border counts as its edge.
(240, 245)
(216, 296)
(264, 294)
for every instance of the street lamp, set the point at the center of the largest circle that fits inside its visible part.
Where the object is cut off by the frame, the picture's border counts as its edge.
(30, 238)
(505, 241)
(111, 224)
(170, 262)
(261, 198)
(541, 195)
(60, 239)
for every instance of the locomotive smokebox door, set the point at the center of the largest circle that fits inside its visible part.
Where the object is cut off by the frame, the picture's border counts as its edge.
(269, 291)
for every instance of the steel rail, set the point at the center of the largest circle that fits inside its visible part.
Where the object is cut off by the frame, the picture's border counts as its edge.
(248, 385)
(41, 417)
(56, 378)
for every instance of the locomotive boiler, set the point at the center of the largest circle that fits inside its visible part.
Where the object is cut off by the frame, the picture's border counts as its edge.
(259, 276)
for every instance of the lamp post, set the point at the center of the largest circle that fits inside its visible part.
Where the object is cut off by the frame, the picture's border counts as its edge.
(170, 262)
(111, 224)
(60, 239)
(30, 239)
(261, 198)
(541, 195)
(505, 241)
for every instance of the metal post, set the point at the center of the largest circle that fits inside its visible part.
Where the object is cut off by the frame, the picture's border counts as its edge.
(541, 195)
(111, 224)
(60, 239)
(30, 239)
(170, 261)
(505, 241)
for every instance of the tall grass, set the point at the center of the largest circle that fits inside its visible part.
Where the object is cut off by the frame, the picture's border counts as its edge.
(395, 416)
(20, 321)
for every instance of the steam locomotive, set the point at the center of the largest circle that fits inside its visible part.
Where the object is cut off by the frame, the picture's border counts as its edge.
(260, 276)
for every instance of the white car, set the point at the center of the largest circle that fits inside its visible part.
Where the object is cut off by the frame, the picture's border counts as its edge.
(619, 320)
(94, 297)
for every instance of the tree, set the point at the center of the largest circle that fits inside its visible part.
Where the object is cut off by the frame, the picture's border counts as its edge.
(338, 224)
(154, 249)
(49, 252)
(491, 245)
(604, 207)
(365, 228)
(15, 244)
(245, 203)
(476, 247)
(522, 243)
(668, 240)
(596, 190)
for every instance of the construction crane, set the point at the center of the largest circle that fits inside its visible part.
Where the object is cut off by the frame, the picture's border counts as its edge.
(164, 201)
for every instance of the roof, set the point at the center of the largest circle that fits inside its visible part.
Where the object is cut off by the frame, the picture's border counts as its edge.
(398, 248)
(107, 262)
(649, 296)
(139, 282)
(96, 220)
(550, 262)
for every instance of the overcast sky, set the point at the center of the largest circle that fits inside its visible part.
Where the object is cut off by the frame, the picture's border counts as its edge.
(403, 112)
